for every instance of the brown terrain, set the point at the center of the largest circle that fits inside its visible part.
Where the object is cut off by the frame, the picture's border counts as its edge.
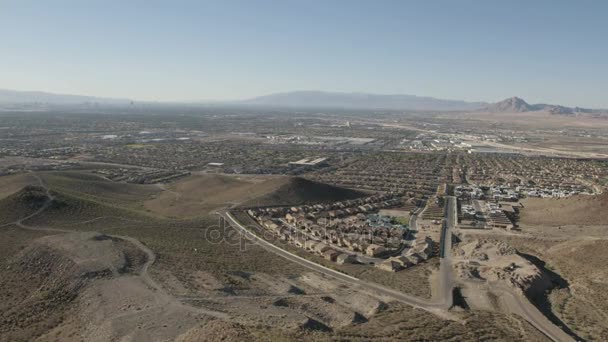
(576, 210)
(83, 266)
(568, 239)
(197, 195)
(201, 194)
(13, 183)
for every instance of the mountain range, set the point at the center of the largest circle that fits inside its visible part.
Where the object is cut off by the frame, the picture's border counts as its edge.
(322, 99)
(39, 98)
(311, 99)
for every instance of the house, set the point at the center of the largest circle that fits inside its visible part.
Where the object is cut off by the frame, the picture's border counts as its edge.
(403, 261)
(321, 247)
(330, 254)
(374, 250)
(271, 225)
(310, 244)
(389, 265)
(299, 242)
(413, 259)
(284, 233)
(346, 258)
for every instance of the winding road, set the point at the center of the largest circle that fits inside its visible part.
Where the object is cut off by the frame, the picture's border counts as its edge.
(143, 272)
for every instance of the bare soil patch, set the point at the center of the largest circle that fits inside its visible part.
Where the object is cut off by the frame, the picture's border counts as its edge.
(576, 210)
(197, 195)
(13, 183)
(581, 262)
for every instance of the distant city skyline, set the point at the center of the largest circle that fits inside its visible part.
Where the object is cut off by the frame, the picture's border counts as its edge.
(542, 51)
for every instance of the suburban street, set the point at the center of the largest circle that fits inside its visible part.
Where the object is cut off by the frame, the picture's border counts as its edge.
(446, 279)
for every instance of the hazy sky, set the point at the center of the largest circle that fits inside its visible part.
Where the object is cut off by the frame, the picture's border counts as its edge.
(545, 51)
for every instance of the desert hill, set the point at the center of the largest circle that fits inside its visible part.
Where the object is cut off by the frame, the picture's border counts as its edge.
(297, 191)
(81, 213)
(21, 203)
(576, 210)
(199, 195)
(518, 105)
(510, 105)
(98, 189)
(40, 284)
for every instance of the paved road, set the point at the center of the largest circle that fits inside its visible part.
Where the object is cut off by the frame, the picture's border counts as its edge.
(518, 304)
(446, 277)
(530, 313)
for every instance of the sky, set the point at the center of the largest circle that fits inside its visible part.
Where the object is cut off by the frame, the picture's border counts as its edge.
(549, 51)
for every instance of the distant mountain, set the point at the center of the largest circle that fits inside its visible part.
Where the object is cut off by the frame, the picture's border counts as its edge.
(510, 105)
(43, 98)
(518, 105)
(321, 99)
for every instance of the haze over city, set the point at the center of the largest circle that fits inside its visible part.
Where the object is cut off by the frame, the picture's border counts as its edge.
(543, 51)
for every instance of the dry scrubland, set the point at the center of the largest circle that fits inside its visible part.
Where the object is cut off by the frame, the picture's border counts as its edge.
(13, 183)
(42, 282)
(63, 287)
(576, 210)
(200, 195)
(22, 203)
(571, 237)
(582, 303)
(99, 190)
(397, 323)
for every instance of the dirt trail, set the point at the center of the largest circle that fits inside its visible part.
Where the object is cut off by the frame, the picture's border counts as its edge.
(161, 294)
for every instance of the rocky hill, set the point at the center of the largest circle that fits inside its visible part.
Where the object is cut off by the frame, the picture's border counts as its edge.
(510, 105)
(41, 285)
(518, 105)
(21, 204)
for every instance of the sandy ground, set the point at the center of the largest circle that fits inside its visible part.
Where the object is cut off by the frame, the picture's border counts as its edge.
(489, 261)
(13, 183)
(121, 302)
(200, 194)
(576, 210)
(576, 254)
(537, 119)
